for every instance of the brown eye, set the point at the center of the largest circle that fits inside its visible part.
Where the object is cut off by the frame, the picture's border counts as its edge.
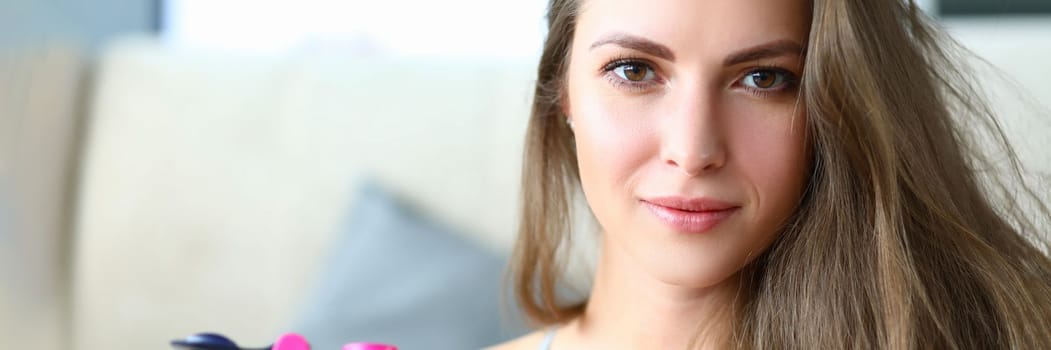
(634, 72)
(765, 79)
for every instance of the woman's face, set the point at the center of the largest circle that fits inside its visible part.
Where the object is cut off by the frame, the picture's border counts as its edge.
(689, 133)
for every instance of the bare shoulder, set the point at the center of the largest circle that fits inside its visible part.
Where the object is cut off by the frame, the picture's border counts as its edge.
(530, 341)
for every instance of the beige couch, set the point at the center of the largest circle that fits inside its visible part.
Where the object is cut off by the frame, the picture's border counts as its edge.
(196, 168)
(39, 103)
(219, 174)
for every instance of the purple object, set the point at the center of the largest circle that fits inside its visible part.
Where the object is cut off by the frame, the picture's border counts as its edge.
(208, 341)
(368, 346)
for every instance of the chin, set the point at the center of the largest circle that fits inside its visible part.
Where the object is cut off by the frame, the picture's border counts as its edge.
(690, 270)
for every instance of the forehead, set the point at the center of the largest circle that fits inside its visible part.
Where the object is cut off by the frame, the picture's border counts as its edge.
(694, 27)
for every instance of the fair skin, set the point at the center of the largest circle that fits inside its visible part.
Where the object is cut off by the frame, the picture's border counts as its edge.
(685, 99)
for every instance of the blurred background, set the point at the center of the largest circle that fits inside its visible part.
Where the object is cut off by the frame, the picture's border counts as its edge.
(346, 169)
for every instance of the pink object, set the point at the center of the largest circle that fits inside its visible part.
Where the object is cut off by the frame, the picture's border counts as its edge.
(291, 341)
(368, 346)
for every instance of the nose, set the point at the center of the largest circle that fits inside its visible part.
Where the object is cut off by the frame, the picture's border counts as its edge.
(692, 138)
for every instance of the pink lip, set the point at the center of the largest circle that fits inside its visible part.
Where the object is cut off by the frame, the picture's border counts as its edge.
(690, 215)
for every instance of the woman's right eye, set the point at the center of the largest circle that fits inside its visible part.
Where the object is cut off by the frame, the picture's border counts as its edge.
(633, 72)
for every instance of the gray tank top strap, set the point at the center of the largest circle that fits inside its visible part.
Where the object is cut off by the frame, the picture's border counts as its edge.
(546, 344)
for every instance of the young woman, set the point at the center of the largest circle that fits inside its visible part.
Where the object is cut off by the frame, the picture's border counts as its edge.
(785, 174)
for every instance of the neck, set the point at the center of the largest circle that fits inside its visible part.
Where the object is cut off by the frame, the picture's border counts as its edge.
(630, 309)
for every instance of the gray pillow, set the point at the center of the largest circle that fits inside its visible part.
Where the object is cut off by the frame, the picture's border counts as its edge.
(396, 278)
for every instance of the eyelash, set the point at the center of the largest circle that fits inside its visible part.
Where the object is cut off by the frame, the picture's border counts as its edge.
(608, 68)
(789, 83)
(790, 79)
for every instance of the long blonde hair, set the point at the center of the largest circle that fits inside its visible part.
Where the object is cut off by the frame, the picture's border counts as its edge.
(905, 238)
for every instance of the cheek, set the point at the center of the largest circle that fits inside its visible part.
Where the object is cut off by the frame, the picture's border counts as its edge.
(613, 141)
(613, 144)
(771, 154)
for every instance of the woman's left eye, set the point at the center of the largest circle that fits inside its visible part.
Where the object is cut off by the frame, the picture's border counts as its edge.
(766, 79)
(634, 72)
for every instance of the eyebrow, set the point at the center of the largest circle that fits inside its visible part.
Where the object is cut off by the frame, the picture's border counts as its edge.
(775, 48)
(637, 43)
(783, 47)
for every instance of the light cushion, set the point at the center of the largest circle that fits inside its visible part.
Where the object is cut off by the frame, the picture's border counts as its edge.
(394, 277)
